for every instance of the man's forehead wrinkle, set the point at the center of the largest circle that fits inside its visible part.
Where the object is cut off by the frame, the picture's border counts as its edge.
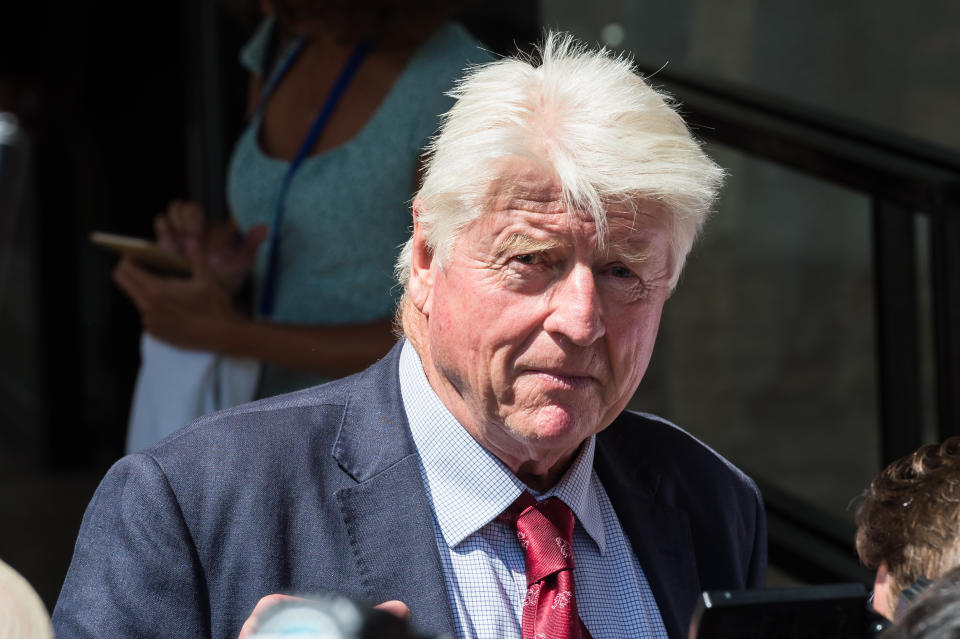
(524, 184)
(520, 197)
(524, 187)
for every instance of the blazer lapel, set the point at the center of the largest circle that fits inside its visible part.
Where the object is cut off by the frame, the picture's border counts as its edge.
(660, 536)
(387, 513)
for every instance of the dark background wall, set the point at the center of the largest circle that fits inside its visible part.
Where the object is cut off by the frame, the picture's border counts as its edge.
(102, 114)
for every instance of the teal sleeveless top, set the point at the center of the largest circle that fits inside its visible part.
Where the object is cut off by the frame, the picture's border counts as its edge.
(348, 208)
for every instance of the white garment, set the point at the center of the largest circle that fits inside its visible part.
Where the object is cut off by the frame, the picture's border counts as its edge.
(176, 385)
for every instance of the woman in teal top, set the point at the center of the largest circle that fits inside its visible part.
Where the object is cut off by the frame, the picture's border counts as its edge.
(326, 305)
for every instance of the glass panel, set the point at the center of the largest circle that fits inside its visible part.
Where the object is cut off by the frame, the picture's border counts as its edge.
(766, 349)
(875, 60)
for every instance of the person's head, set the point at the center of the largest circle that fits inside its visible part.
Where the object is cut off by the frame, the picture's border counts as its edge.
(559, 202)
(934, 614)
(908, 524)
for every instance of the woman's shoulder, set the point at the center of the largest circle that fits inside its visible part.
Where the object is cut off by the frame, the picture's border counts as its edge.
(447, 53)
(267, 47)
(253, 53)
(420, 95)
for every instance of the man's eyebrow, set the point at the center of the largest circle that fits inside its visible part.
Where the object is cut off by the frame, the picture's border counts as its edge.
(628, 252)
(519, 243)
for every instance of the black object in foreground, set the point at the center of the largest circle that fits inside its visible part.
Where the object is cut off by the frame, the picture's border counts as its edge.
(835, 611)
(330, 617)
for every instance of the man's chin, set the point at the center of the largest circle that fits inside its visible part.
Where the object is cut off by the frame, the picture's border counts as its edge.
(555, 426)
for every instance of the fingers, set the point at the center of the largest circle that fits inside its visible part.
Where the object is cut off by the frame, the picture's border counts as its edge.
(187, 218)
(181, 220)
(164, 234)
(395, 608)
(135, 282)
(252, 623)
(231, 254)
(195, 254)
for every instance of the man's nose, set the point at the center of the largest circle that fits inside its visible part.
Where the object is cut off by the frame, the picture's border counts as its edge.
(576, 311)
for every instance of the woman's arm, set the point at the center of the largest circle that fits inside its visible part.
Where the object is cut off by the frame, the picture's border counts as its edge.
(331, 351)
(198, 313)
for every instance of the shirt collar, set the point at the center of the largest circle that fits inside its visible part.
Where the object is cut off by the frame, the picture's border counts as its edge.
(467, 484)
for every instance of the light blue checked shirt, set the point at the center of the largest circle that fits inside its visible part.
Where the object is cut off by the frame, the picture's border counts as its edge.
(481, 558)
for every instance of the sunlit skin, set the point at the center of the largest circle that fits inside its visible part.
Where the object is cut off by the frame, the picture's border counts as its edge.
(533, 334)
(884, 600)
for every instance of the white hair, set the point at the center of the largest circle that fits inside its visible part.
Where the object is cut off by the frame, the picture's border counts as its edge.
(609, 137)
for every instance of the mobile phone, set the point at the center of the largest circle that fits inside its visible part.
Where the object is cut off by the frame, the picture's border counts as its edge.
(144, 252)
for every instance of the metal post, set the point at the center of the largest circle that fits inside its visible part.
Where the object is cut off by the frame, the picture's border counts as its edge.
(204, 107)
(945, 264)
(898, 352)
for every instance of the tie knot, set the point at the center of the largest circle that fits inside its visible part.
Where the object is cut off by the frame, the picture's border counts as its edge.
(545, 532)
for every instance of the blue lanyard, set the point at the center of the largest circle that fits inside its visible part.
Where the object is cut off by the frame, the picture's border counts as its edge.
(320, 121)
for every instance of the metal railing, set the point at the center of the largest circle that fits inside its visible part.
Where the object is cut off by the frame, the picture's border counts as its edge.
(902, 178)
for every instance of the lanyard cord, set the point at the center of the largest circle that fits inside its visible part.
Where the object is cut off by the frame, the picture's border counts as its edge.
(320, 121)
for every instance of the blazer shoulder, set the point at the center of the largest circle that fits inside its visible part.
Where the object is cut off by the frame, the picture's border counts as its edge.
(281, 433)
(670, 455)
(270, 418)
(294, 417)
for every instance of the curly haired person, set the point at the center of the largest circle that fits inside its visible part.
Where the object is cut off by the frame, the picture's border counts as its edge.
(909, 521)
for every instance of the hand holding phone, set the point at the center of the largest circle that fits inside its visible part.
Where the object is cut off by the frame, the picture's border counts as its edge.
(144, 252)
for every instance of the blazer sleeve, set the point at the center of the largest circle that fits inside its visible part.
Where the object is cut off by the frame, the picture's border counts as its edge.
(134, 551)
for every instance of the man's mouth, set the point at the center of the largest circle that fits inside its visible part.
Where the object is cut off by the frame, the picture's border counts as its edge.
(563, 379)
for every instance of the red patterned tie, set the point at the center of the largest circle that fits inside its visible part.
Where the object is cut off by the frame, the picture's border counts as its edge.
(545, 532)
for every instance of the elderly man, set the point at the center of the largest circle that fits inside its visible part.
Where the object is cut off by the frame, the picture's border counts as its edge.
(483, 472)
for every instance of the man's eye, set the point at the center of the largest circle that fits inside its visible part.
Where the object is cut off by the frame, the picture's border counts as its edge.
(621, 271)
(528, 259)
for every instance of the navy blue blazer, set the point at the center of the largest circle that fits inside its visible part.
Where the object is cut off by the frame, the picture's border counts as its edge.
(320, 490)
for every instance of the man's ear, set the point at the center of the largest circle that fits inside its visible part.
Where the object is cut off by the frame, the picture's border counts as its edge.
(421, 283)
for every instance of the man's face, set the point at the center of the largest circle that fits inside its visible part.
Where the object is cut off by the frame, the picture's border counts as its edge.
(537, 336)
